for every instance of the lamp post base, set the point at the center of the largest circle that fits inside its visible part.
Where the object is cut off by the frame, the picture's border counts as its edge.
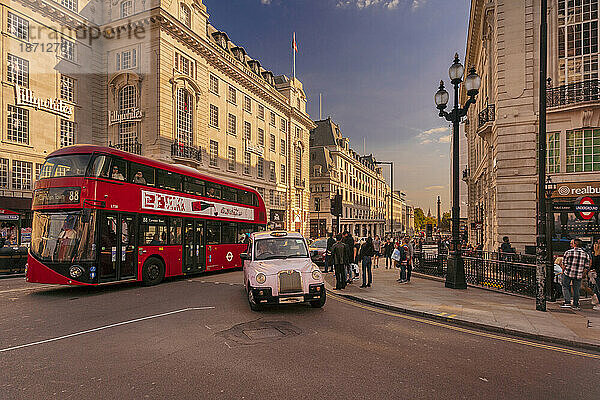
(455, 273)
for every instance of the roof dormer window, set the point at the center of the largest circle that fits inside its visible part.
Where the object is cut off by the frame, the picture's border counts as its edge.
(254, 66)
(239, 53)
(268, 76)
(185, 15)
(221, 39)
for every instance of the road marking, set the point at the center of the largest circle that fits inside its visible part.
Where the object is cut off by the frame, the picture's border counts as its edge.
(104, 327)
(451, 315)
(468, 331)
(442, 314)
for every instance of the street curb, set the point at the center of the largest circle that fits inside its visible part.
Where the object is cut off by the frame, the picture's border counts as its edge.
(471, 324)
(8, 276)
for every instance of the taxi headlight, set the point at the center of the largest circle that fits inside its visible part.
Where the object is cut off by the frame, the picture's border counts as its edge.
(316, 274)
(75, 271)
(261, 278)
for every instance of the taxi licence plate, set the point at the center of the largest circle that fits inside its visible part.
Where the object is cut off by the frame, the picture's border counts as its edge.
(296, 299)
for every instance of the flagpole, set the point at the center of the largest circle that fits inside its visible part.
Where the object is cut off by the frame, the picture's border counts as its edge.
(294, 58)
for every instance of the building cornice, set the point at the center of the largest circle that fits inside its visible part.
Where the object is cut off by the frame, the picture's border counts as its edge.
(473, 38)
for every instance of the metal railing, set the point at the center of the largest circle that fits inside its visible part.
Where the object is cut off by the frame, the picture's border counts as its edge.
(132, 147)
(514, 273)
(573, 93)
(488, 114)
(186, 151)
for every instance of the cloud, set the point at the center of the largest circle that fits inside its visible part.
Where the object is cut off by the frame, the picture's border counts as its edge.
(393, 4)
(416, 4)
(388, 4)
(445, 139)
(435, 187)
(266, 2)
(432, 131)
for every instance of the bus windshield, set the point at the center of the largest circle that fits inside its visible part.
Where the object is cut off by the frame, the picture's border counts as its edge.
(273, 248)
(64, 236)
(70, 165)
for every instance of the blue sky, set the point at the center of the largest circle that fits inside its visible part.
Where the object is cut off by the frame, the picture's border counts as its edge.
(377, 63)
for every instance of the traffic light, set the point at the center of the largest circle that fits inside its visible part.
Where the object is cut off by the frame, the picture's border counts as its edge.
(336, 205)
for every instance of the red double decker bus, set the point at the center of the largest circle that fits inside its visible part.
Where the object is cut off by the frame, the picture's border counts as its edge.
(102, 215)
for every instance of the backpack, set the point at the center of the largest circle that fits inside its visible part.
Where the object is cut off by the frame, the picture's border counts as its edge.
(403, 253)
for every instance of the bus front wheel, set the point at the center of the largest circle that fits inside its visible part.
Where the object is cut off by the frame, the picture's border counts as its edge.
(153, 271)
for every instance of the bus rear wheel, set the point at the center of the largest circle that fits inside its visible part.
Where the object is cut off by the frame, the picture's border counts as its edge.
(153, 272)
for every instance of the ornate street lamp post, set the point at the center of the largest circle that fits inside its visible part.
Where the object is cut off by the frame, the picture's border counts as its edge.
(455, 275)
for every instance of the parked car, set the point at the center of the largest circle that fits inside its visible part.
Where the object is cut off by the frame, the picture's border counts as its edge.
(317, 250)
(278, 270)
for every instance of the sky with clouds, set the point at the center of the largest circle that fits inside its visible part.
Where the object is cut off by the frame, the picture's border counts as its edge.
(377, 63)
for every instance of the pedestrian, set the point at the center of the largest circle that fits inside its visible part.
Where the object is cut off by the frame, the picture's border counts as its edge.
(377, 248)
(506, 249)
(575, 263)
(409, 257)
(596, 268)
(367, 250)
(388, 249)
(348, 240)
(338, 258)
(330, 243)
(402, 261)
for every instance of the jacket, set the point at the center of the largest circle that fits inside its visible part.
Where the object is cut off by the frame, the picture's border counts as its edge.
(338, 253)
(349, 242)
(366, 250)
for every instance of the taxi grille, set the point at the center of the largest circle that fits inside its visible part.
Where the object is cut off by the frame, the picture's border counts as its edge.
(290, 282)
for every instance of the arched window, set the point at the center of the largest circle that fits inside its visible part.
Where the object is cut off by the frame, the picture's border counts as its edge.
(185, 15)
(127, 102)
(184, 117)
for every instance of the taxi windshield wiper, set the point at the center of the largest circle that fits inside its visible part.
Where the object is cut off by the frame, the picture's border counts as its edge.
(274, 257)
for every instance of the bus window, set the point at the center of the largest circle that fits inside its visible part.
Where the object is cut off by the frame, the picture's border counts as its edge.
(168, 180)
(68, 165)
(141, 174)
(174, 230)
(229, 194)
(213, 190)
(100, 166)
(213, 232)
(245, 197)
(194, 186)
(118, 169)
(229, 233)
(153, 231)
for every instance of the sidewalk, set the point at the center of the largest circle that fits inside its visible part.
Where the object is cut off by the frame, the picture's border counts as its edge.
(476, 308)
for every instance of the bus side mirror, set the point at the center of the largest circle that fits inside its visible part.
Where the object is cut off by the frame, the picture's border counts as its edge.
(244, 256)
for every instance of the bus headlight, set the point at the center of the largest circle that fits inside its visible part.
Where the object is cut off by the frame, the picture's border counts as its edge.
(75, 271)
(316, 274)
(261, 278)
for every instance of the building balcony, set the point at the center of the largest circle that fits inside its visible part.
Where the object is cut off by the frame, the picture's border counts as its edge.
(186, 152)
(131, 147)
(487, 115)
(465, 176)
(573, 94)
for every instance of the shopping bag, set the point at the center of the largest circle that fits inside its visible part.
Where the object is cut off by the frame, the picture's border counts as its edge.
(396, 255)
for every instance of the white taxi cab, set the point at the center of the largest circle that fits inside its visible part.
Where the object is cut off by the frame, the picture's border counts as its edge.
(278, 270)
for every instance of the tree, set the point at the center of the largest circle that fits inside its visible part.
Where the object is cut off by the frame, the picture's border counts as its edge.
(446, 221)
(421, 220)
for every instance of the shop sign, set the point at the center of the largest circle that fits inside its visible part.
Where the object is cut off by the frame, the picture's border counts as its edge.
(277, 219)
(576, 189)
(586, 208)
(128, 115)
(254, 148)
(25, 98)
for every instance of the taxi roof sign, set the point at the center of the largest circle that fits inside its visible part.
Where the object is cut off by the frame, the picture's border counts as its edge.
(279, 234)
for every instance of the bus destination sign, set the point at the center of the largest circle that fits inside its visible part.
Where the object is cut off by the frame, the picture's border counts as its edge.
(185, 205)
(57, 195)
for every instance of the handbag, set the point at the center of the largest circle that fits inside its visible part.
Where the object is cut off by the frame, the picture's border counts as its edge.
(396, 255)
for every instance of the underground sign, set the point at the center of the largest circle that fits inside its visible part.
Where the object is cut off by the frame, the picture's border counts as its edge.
(586, 208)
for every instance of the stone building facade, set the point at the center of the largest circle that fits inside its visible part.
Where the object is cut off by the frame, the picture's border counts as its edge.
(502, 128)
(155, 78)
(336, 168)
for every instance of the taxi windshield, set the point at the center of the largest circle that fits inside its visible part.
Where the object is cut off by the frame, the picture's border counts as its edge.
(274, 248)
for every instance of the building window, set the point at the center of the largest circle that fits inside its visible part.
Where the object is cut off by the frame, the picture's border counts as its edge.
(232, 95)
(184, 117)
(283, 180)
(298, 134)
(231, 158)
(247, 130)
(214, 116)
(214, 84)
(298, 200)
(271, 197)
(185, 15)
(583, 150)
(214, 153)
(232, 124)
(17, 125)
(553, 149)
(577, 40)
(127, 102)
(18, 70)
(21, 175)
(247, 104)
(67, 88)
(18, 27)
(282, 147)
(272, 143)
(126, 8)
(70, 4)
(261, 137)
(127, 59)
(4, 173)
(272, 171)
(272, 122)
(260, 167)
(283, 126)
(298, 164)
(185, 66)
(247, 160)
(261, 112)
(67, 49)
(67, 133)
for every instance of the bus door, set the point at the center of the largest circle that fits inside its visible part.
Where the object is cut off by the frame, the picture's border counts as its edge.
(194, 253)
(118, 253)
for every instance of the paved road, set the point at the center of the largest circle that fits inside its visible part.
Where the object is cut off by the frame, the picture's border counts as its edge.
(192, 352)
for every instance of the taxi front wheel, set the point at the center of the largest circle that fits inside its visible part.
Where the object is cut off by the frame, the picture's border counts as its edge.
(252, 302)
(319, 303)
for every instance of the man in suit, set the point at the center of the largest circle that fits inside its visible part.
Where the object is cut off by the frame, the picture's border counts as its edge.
(330, 243)
(338, 258)
(348, 240)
